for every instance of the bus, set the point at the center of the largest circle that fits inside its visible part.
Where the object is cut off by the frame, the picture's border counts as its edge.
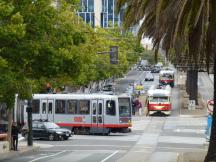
(81, 113)
(159, 100)
(166, 77)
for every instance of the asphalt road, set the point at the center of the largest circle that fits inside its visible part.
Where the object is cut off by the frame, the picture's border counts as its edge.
(151, 137)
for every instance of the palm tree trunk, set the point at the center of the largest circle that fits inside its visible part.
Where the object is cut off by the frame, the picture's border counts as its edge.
(10, 118)
(187, 82)
(211, 155)
(191, 85)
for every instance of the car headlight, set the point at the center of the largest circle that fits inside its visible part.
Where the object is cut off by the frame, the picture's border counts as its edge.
(59, 132)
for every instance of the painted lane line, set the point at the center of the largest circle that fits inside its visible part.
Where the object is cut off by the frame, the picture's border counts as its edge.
(43, 157)
(92, 146)
(109, 156)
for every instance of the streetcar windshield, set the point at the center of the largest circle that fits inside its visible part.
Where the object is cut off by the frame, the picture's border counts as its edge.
(124, 107)
(159, 99)
(167, 76)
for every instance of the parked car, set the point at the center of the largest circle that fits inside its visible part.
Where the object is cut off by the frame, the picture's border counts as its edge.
(47, 130)
(149, 77)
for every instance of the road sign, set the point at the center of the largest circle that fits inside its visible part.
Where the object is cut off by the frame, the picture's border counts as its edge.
(191, 105)
(210, 106)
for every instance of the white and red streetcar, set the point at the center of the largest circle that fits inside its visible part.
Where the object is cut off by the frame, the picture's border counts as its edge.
(82, 113)
(159, 100)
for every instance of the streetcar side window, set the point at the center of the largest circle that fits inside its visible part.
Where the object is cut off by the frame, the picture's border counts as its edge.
(72, 106)
(35, 106)
(84, 106)
(60, 106)
(110, 108)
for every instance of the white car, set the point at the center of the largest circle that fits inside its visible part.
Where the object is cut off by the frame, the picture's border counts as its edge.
(149, 77)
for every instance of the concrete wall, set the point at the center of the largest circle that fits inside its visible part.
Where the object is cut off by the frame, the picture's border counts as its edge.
(97, 10)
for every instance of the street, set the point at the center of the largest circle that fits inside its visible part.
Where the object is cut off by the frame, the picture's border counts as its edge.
(153, 138)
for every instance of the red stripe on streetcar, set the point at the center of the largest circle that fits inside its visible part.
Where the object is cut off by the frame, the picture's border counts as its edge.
(95, 125)
(167, 81)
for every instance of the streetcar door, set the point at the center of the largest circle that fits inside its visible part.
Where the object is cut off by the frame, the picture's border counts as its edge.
(94, 113)
(47, 110)
(97, 114)
(100, 113)
(50, 110)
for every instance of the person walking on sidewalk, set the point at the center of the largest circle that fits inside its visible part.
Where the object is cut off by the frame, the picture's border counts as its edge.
(14, 134)
(138, 106)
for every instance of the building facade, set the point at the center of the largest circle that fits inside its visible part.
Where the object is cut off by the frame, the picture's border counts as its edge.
(100, 13)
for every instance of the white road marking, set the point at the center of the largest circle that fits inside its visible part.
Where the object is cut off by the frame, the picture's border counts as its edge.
(47, 156)
(93, 145)
(109, 156)
(93, 151)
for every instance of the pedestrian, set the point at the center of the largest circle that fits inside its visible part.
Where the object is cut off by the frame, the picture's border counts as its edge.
(138, 106)
(133, 107)
(14, 134)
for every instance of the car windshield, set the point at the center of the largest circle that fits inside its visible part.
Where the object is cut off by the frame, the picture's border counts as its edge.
(51, 125)
(124, 107)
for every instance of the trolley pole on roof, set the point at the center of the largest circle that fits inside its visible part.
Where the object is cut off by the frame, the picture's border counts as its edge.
(29, 111)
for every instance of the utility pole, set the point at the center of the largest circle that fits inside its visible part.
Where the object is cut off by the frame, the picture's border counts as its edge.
(29, 111)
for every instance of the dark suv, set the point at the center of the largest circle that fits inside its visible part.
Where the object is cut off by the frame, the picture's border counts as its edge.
(47, 130)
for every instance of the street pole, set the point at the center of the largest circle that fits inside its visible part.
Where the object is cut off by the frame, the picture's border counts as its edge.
(29, 111)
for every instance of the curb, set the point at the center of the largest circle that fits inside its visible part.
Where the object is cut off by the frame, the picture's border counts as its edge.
(12, 154)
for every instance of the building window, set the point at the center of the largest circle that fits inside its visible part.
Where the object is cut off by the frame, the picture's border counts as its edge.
(72, 107)
(90, 5)
(84, 106)
(35, 106)
(60, 107)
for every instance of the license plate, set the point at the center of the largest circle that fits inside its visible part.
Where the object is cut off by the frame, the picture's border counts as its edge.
(67, 134)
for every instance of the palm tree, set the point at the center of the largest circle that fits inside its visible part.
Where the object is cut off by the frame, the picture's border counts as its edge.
(170, 22)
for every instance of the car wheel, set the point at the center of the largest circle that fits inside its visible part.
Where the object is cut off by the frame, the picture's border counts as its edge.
(51, 137)
(60, 138)
(66, 138)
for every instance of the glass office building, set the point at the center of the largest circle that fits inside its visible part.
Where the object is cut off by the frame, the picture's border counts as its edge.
(100, 13)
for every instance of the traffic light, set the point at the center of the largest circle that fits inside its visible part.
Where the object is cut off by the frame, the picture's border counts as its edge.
(114, 55)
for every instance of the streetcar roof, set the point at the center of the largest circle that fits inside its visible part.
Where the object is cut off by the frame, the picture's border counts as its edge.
(153, 91)
(75, 96)
(167, 72)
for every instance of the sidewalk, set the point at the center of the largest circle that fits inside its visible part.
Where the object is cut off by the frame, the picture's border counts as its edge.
(22, 148)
